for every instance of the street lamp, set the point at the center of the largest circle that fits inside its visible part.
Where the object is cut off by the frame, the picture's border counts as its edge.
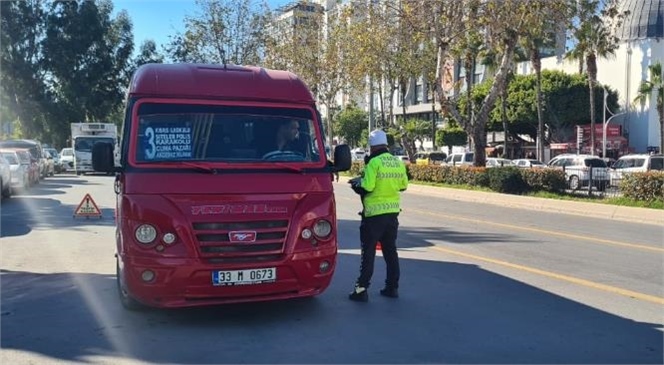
(606, 122)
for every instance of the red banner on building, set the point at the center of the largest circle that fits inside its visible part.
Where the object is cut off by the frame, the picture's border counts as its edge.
(611, 130)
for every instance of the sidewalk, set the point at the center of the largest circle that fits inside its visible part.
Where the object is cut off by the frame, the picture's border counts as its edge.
(595, 210)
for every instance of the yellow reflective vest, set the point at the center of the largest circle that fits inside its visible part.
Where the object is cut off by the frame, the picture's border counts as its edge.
(384, 177)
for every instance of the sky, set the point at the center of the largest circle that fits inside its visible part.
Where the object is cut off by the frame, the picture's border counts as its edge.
(157, 19)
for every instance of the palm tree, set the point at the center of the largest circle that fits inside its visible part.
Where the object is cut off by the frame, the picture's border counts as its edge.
(548, 16)
(646, 90)
(595, 37)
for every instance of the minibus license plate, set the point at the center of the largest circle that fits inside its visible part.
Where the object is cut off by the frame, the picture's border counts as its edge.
(244, 277)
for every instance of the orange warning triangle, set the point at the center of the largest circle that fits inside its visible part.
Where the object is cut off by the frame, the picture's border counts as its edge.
(87, 208)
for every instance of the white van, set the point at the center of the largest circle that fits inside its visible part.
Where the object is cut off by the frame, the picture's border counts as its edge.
(358, 154)
(465, 158)
(635, 163)
(578, 170)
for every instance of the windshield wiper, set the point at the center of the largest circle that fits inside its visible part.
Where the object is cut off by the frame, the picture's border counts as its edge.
(288, 167)
(198, 166)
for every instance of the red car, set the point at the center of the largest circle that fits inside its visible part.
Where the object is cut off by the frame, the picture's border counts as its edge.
(33, 165)
(224, 193)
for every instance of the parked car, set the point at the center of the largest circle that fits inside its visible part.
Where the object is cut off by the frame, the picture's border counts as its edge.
(498, 162)
(358, 154)
(609, 161)
(403, 158)
(35, 149)
(33, 167)
(50, 164)
(635, 163)
(20, 172)
(430, 158)
(465, 158)
(67, 159)
(56, 159)
(5, 178)
(528, 163)
(581, 169)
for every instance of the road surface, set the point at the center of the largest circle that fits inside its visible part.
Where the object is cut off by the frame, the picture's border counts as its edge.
(480, 284)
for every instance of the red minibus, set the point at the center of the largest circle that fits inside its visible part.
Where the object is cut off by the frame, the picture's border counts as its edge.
(224, 190)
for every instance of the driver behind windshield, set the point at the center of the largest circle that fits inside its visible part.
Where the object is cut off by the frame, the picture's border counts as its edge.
(286, 139)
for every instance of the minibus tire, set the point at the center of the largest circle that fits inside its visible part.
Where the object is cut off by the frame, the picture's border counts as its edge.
(127, 301)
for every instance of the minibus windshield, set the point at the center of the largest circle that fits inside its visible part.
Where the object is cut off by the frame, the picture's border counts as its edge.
(229, 134)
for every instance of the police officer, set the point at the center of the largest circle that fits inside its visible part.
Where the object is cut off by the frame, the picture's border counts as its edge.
(384, 177)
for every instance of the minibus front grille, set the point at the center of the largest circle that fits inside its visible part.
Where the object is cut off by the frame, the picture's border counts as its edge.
(247, 239)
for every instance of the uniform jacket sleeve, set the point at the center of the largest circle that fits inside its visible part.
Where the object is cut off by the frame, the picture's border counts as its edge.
(369, 179)
(404, 179)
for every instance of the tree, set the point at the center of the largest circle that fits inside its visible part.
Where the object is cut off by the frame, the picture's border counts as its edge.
(547, 19)
(461, 29)
(316, 48)
(597, 22)
(222, 31)
(451, 136)
(86, 56)
(654, 86)
(62, 61)
(350, 123)
(499, 23)
(370, 33)
(147, 54)
(565, 99)
(410, 131)
(24, 97)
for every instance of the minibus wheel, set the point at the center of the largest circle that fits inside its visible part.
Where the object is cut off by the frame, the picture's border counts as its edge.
(127, 301)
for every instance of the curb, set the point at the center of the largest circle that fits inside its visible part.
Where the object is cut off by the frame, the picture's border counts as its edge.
(586, 209)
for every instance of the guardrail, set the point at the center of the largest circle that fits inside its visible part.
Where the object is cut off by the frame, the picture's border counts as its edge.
(597, 181)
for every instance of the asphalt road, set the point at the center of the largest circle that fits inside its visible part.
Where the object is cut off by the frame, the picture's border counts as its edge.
(480, 284)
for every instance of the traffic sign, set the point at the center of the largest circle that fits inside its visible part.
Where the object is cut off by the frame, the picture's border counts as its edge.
(87, 208)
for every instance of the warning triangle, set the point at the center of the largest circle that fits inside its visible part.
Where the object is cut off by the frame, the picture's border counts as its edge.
(87, 208)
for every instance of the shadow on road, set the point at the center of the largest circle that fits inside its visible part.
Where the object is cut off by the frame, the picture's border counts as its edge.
(413, 237)
(38, 208)
(447, 313)
(22, 215)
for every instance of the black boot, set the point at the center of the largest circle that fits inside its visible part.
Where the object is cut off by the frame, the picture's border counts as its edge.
(390, 292)
(359, 294)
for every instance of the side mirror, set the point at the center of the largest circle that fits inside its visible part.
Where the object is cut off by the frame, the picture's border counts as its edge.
(342, 158)
(102, 157)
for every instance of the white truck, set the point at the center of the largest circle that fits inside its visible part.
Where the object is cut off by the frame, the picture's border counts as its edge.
(84, 136)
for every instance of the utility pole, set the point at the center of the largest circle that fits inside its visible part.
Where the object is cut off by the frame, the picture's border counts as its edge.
(371, 104)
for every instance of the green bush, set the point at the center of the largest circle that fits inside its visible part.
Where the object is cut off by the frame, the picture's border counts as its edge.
(428, 173)
(503, 179)
(356, 168)
(552, 180)
(449, 174)
(506, 180)
(644, 186)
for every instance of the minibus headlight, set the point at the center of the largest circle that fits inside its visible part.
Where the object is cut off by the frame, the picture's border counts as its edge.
(146, 233)
(322, 228)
